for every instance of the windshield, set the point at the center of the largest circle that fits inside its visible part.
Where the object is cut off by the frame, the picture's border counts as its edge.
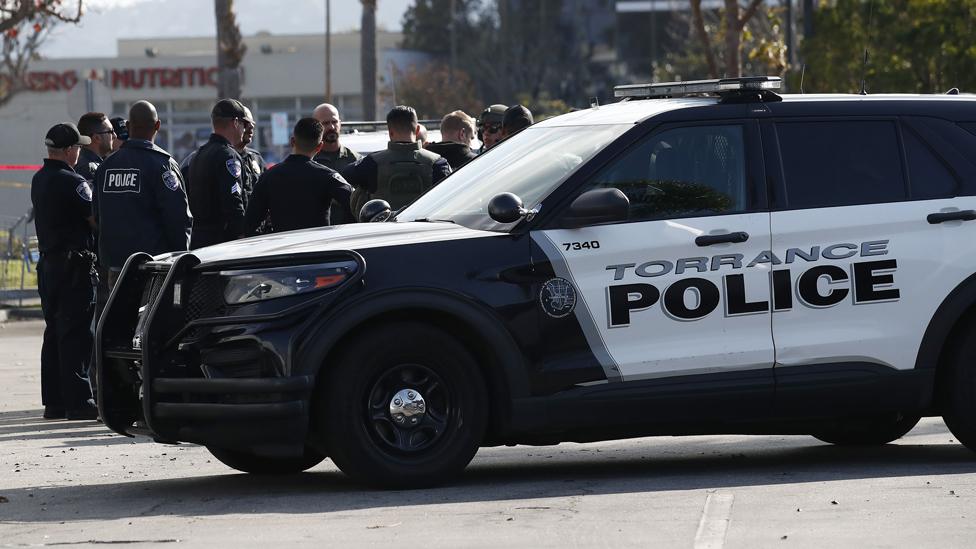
(531, 164)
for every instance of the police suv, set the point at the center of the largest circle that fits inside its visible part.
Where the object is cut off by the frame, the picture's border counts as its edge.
(703, 257)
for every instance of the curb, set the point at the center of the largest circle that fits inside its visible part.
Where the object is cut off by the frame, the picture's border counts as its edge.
(26, 313)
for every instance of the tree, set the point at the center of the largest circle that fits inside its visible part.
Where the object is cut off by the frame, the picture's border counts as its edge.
(734, 24)
(25, 25)
(432, 93)
(230, 51)
(914, 46)
(367, 60)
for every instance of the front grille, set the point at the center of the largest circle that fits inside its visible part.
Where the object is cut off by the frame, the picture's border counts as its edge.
(206, 298)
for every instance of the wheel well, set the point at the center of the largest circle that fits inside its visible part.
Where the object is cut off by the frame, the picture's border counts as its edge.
(481, 350)
(960, 330)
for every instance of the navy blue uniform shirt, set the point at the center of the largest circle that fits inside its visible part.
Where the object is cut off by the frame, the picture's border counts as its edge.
(62, 202)
(297, 193)
(140, 204)
(216, 193)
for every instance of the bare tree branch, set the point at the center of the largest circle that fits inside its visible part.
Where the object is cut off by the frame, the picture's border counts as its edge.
(751, 10)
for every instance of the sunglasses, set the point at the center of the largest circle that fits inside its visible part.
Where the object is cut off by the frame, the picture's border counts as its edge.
(492, 128)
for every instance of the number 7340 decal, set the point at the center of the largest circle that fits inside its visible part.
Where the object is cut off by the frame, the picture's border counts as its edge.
(591, 245)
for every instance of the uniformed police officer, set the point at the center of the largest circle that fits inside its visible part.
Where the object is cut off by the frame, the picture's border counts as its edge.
(298, 192)
(62, 215)
(333, 154)
(140, 203)
(216, 185)
(99, 130)
(490, 126)
(400, 173)
(516, 119)
(252, 163)
(120, 125)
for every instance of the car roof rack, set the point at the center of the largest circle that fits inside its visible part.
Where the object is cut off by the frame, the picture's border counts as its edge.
(731, 90)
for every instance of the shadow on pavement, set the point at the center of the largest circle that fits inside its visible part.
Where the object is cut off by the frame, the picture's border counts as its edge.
(30, 425)
(497, 475)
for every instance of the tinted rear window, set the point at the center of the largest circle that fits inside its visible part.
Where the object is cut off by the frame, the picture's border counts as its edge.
(927, 173)
(841, 163)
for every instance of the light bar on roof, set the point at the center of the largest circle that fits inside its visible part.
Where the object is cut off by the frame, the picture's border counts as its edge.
(694, 87)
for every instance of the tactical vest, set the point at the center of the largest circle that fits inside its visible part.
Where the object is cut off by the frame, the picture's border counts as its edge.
(404, 171)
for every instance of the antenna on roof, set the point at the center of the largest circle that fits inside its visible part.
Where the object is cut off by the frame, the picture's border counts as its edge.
(867, 40)
(803, 72)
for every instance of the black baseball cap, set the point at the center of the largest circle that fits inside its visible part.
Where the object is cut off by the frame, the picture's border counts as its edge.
(121, 127)
(229, 108)
(516, 118)
(64, 135)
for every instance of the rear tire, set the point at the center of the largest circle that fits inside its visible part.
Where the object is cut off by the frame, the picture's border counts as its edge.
(870, 432)
(959, 405)
(261, 465)
(410, 412)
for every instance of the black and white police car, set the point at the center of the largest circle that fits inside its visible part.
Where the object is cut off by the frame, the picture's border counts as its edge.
(706, 257)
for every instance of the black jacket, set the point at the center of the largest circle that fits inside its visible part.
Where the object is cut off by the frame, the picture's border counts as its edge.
(253, 166)
(88, 162)
(140, 204)
(216, 193)
(338, 160)
(456, 154)
(62, 205)
(297, 192)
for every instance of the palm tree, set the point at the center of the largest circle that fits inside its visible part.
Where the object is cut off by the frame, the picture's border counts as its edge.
(230, 51)
(367, 63)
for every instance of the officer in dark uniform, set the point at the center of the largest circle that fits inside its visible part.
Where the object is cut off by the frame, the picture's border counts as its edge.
(297, 192)
(62, 215)
(120, 125)
(334, 154)
(252, 163)
(216, 185)
(490, 126)
(99, 130)
(140, 202)
(516, 119)
(400, 173)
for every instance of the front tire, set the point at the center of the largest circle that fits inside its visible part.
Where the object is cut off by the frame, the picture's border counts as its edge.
(959, 388)
(869, 432)
(260, 465)
(404, 407)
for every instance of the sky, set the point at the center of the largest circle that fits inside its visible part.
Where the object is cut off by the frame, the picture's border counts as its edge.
(107, 20)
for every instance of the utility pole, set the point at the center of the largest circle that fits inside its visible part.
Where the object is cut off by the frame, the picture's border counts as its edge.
(453, 31)
(328, 51)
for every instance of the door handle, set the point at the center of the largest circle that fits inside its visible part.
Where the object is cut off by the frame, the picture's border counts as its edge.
(733, 238)
(942, 217)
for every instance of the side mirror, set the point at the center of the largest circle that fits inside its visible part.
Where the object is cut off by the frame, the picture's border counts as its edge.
(375, 211)
(597, 206)
(506, 208)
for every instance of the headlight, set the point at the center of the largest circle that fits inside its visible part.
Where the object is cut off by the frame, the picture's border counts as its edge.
(248, 286)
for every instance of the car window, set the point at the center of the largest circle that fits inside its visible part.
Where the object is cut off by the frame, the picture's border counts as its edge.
(840, 163)
(928, 175)
(681, 172)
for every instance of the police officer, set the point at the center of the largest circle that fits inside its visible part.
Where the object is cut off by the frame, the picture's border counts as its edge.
(297, 192)
(400, 173)
(333, 154)
(62, 215)
(490, 126)
(252, 163)
(140, 203)
(216, 184)
(457, 131)
(99, 130)
(516, 119)
(120, 125)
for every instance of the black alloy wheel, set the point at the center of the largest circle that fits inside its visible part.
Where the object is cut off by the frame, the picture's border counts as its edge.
(405, 406)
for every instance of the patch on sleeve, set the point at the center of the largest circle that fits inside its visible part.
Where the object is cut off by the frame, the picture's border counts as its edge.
(170, 180)
(236, 189)
(340, 180)
(93, 167)
(234, 167)
(84, 191)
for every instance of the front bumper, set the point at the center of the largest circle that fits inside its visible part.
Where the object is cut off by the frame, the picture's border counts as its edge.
(175, 363)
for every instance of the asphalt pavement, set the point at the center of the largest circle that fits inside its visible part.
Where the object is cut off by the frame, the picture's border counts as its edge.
(76, 483)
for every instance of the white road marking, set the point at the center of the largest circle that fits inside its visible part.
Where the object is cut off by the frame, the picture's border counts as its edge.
(715, 520)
